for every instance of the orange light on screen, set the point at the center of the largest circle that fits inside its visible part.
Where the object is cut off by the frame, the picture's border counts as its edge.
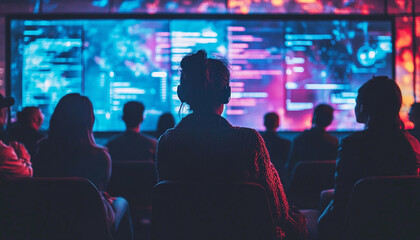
(277, 3)
(407, 123)
(313, 8)
(306, 1)
(418, 26)
(407, 57)
(404, 38)
(244, 10)
(406, 79)
(308, 121)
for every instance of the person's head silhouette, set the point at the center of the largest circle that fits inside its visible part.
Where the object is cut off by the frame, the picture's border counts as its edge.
(133, 115)
(165, 122)
(31, 117)
(378, 104)
(271, 121)
(323, 116)
(72, 120)
(5, 103)
(204, 83)
(414, 114)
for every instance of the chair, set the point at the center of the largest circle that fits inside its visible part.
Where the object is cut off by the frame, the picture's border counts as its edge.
(51, 208)
(384, 208)
(307, 181)
(326, 197)
(133, 180)
(211, 211)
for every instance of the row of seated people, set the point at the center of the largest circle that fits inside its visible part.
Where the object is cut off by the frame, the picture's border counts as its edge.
(26, 130)
(204, 147)
(314, 144)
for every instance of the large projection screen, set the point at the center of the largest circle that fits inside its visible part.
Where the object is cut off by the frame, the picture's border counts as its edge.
(282, 63)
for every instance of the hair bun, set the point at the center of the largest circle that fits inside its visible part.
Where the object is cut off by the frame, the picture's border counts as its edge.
(200, 55)
(195, 63)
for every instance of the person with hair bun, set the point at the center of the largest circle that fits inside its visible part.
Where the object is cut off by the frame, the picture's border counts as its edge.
(205, 147)
(384, 148)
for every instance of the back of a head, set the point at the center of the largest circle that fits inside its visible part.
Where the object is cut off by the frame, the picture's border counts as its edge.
(204, 81)
(133, 114)
(381, 100)
(165, 122)
(72, 120)
(414, 113)
(323, 115)
(27, 115)
(271, 121)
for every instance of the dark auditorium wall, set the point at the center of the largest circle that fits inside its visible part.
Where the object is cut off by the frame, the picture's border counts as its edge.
(407, 14)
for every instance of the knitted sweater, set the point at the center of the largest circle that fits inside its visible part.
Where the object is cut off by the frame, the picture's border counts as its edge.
(208, 148)
(13, 164)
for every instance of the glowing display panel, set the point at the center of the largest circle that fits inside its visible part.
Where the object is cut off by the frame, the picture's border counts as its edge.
(168, 6)
(63, 6)
(286, 66)
(306, 6)
(328, 64)
(109, 61)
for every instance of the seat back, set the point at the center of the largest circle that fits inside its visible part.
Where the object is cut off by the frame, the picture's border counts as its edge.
(384, 208)
(51, 208)
(211, 211)
(133, 180)
(307, 181)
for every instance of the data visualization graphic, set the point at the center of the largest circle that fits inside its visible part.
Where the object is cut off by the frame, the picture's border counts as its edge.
(285, 66)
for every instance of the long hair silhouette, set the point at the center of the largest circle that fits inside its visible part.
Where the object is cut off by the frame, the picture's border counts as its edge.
(72, 121)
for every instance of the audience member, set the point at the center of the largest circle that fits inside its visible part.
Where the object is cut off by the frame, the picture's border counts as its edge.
(165, 122)
(14, 159)
(132, 145)
(414, 116)
(382, 149)
(70, 151)
(314, 144)
(206, 147)
(277, 147)
(26, 130)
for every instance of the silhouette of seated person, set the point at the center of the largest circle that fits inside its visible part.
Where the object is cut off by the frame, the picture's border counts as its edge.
(26, 131)
(384, 148)
(204, 146)
(70, 151)
(132, 145)
(277, 147)
(165, 122)
(314, 144)
(15, 161)
(414, 116)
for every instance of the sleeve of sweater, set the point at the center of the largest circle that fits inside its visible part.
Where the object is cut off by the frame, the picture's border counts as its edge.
(287, 226)
(11, 165)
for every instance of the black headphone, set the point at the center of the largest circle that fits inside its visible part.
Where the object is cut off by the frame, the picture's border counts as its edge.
(224, 95)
